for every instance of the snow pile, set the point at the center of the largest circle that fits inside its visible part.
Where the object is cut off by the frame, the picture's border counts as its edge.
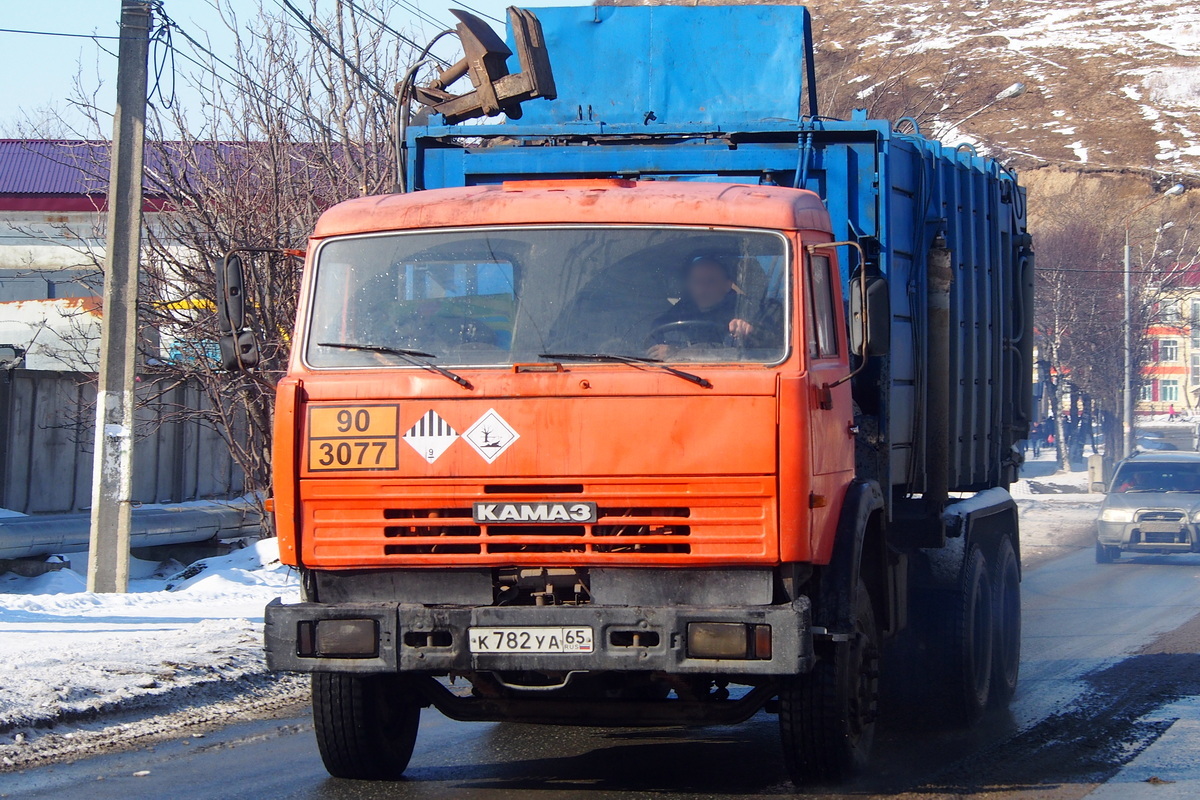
(69, 654)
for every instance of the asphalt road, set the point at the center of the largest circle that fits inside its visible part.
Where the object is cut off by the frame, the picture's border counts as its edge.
(1104, 647)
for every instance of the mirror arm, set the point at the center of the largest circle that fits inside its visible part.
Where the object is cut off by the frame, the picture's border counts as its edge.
(862, 277)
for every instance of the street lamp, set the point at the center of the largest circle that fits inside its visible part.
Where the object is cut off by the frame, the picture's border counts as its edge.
(1174, 191)
(1016, 90)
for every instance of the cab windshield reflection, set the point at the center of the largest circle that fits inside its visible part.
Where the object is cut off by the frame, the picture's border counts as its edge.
(503, 296)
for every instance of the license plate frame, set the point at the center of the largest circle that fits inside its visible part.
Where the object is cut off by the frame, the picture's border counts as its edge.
(531, 639)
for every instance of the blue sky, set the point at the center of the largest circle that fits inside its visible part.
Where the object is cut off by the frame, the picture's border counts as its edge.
(41, 71)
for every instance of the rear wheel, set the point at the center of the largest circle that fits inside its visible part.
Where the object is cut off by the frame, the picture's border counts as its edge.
(971, 622)
(366, 725)
(827, 717)
(1006, 660)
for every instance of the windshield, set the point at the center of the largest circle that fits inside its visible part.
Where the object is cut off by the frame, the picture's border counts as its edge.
(503, 296)
(1163, 477)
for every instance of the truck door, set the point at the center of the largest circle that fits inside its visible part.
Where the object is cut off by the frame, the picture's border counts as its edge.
(830, 411)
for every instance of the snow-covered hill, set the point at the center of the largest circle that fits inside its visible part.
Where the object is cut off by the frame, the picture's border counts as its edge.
(1113, 83)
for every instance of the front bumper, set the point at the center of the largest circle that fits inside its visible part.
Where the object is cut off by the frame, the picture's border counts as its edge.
(1149, 536)
(433, 639)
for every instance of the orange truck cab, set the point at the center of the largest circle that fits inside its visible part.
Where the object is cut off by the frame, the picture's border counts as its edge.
(592, 426)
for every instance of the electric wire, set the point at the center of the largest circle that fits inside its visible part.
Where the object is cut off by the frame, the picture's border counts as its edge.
(385, 26)
(62, 34)
(240, 87)
(162, 55)
(480, 13)
(320, 37)
(415, 9)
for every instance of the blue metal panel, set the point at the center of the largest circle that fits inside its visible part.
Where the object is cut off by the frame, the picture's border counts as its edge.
(894, 192)
(682, 64)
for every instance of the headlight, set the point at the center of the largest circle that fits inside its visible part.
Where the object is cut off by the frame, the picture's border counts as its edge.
(1196, 516)
(1116, 515)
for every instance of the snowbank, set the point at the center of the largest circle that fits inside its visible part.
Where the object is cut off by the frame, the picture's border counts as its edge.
(69, 654)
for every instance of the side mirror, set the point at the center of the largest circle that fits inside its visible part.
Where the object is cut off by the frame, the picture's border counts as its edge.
(231, 294)
(239, 350)
(870, 316)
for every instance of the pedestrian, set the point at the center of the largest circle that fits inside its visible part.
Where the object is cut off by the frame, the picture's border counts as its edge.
(1035, 438)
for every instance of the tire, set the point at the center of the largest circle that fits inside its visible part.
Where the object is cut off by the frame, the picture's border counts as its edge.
(971, 641)
(1006, 649)
(366, 725)
(1104, 554)
(827, 717)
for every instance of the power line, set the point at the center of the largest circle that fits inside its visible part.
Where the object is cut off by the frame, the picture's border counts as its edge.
(320, 37)
(480, 13)
(383, 24)
(59, 33)
(208, 68)
(414, 8)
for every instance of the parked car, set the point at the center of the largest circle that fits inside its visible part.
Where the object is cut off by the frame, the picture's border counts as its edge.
(1153, 440)
(1153, 506)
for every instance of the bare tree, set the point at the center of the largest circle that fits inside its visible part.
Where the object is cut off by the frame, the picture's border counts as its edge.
(1080, 294)
(292, 123)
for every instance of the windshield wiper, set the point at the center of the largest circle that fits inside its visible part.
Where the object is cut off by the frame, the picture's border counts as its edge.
(414, 357)
(620, 359)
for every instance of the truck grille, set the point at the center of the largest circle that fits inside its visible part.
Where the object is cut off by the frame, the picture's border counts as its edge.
(349, 524)
(617, 530)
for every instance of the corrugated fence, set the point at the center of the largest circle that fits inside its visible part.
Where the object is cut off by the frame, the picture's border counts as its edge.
(46, 444)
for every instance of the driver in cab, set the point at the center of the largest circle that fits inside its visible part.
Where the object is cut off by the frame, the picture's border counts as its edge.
(707, 314)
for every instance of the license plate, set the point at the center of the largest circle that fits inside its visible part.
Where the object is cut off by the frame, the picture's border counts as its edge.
(530, 640)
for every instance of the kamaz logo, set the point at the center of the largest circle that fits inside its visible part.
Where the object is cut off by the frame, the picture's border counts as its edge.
(535, 512)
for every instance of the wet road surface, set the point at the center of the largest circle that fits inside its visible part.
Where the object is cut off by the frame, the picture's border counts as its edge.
(1105, 647)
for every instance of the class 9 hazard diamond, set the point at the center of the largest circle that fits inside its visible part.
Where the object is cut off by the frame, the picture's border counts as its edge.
(430, 436)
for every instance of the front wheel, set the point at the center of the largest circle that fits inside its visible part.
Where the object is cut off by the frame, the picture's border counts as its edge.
(1106, 554)
(366, 725)
(827, 717)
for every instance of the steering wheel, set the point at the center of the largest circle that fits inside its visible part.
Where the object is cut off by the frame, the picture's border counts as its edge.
(687, 332)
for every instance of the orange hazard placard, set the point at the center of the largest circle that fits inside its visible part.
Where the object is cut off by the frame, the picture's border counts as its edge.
(358, 437)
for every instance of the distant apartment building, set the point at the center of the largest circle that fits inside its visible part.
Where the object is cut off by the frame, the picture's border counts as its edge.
(1170, 370)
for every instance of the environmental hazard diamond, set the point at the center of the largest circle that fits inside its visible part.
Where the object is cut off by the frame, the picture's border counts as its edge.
(490, 436)
(430, 436)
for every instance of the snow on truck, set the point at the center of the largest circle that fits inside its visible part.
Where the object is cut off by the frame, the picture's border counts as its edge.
(666, 401)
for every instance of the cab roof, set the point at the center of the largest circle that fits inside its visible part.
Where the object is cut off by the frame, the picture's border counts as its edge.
(609, 201)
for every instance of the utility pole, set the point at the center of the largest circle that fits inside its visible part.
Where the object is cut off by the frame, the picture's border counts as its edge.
(112, 470)
(1127, 410)
(1127, 389)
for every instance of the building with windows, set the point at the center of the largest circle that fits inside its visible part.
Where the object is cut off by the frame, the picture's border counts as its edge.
(52, 214)
(1170, 369)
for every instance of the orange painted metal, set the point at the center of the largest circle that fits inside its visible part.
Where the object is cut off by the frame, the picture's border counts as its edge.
(681, 474)
(288, 394)
(650, 203)
(684, 520)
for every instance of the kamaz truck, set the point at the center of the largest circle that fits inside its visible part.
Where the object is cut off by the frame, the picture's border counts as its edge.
(660, 400)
